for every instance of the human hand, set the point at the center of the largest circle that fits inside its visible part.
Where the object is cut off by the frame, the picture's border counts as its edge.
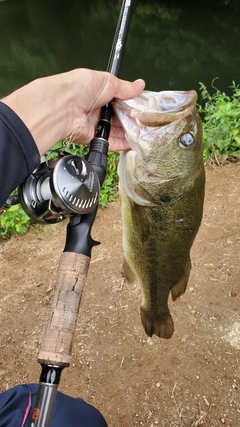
(92, 90)
(67, 106)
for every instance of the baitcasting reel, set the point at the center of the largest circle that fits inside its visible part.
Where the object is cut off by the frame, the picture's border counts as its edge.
(60, 188)
(68, 185)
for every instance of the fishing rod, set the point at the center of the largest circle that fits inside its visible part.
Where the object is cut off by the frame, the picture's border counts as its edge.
(70, 187)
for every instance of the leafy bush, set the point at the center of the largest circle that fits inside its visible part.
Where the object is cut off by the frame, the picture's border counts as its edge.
(221, 123)
(109, 189)
(13, 221)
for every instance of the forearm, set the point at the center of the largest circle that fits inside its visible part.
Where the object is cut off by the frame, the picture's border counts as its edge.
(67, 106)
(44, 107)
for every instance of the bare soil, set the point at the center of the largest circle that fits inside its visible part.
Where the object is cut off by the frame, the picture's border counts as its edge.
(191, 380)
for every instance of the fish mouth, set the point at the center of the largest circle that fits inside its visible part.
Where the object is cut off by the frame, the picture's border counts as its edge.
(163, 101)
(156, 108)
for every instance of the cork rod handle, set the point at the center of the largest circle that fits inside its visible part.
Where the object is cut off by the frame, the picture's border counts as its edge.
(57, 343)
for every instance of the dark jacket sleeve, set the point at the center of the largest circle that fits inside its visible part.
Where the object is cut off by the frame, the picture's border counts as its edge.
(19, 154)
(16, 406)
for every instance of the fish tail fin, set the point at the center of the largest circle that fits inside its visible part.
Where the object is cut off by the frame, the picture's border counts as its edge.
(160, 325)
(180, 287)
(128, 273)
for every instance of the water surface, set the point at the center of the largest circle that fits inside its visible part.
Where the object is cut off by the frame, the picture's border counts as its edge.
(172, 46)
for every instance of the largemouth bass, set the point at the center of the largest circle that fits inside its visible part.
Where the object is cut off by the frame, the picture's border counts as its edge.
(161, 181)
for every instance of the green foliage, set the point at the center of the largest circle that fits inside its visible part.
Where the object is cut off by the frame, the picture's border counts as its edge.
(221, 123)
(110, 186)
(13, 221)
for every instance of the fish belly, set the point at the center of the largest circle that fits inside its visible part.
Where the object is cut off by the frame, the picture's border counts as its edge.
(156, 243)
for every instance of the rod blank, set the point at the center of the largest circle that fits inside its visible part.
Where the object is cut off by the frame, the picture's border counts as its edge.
(120, 38)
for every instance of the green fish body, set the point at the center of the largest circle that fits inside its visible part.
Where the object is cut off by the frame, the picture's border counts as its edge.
(161, 181)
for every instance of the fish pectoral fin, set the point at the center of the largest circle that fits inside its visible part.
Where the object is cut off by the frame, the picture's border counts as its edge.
(140, 221)
(180, 287)
(128, 273)
(155, 324)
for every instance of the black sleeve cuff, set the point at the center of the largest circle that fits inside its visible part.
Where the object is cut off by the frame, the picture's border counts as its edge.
(19, 154)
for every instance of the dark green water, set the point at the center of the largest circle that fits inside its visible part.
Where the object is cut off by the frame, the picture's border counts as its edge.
(172, 46)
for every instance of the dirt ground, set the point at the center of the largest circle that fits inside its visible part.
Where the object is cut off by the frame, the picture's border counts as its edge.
(191, 380)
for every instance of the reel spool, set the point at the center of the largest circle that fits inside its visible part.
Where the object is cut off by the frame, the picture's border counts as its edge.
(60, 188)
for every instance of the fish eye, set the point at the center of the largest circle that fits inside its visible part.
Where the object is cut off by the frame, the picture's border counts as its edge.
(186, 140)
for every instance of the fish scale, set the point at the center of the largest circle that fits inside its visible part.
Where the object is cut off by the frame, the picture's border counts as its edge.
(161, 186)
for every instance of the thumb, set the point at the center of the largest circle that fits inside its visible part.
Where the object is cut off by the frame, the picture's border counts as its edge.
(126, 90)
